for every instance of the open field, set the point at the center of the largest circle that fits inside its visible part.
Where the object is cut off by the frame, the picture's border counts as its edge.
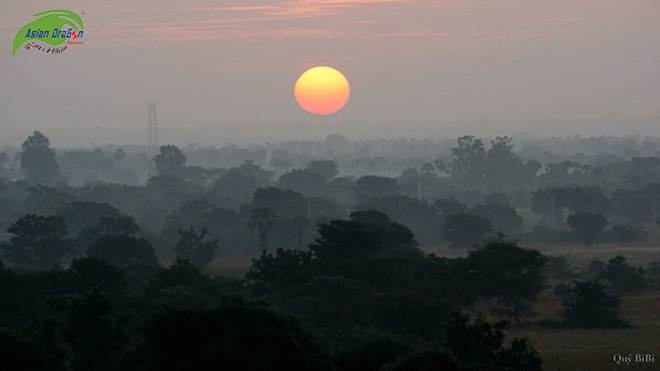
(565, 349)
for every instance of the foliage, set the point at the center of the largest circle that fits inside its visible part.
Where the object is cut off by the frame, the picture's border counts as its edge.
(480, 344)
(428, 358)
(39, 161)
(510, 275)
(354, 348)
(36, 347)
(122, 250)
(285, 267)
(192, 245)
(262, 220)
(237, 334)
(170, 160)
(587, 226)
(622, 276)
(465, 230)
(95, 328)
(588, 305)
(37, 240)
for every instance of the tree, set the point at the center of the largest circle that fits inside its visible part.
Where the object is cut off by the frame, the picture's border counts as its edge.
(467, 161)
(304, 181)
(37, 347)
(170, 160)
(119, 226)
(181, 274)
(508, 274)
(95, 327)
(428, 358)
(284, 268)
(450, 206)
(376, 186)
(39, 161)
(369, 247)
(193, 246)
(503, 217)
(465, 230)
(325, 168)
(95, 272)
(588, 305)
(280, 161)
(587, 226)
(354, 348)
(622, 276)
(627, 234)
(480, 345)
(301, 224)
(119, 155)
(37, 240)
(117, 244)
(262, 220)
(234, 335)
(80, 215)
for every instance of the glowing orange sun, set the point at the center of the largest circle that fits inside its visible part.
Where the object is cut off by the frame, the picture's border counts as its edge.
(322, 90)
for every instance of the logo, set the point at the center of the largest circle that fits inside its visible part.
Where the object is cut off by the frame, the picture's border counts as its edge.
(48, 29)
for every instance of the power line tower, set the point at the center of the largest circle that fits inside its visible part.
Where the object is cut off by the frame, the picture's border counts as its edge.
(152, 128)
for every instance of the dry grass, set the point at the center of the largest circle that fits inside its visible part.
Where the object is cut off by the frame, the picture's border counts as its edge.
(564, 349)
(234, 267)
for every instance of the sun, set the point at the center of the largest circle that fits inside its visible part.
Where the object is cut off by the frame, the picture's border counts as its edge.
(322, 90)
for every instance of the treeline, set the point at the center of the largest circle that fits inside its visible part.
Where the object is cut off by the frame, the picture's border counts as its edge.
(463, 199)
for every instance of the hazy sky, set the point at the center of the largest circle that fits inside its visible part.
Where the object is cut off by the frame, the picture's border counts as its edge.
(224, 70)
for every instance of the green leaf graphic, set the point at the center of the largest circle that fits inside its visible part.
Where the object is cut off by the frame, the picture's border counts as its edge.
(49, 21)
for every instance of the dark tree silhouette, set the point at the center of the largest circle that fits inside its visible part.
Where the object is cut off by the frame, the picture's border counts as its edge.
(170, 160)
(39, 161)
(465, 230)
(301, 225)
(508, 274)
(325, 168)
(119, 155)
(480, 345)
(193, 245)
(588, 305)
(236, 335)
(262, 220)
(376, 186)
(37, 240)
(429, 358)
(37, 347)
(95, 327)
(588, 227)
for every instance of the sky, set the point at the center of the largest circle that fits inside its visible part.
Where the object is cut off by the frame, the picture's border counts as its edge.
(224, 71)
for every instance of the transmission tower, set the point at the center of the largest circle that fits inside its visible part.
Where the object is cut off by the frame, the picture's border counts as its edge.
(152, 129)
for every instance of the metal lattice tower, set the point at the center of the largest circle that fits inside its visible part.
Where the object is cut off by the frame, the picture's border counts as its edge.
(152, 129)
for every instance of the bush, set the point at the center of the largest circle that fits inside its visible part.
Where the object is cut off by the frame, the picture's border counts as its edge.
(622, 276)
(627, 234)
(465, 230)
(355, 348)
(286, 267)
(480, 345)
(588, 305)
(430, 358)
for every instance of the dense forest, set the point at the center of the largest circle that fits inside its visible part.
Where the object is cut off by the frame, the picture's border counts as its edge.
(378, 255)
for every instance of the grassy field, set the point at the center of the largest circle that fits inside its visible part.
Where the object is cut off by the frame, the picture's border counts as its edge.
(564, 349)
